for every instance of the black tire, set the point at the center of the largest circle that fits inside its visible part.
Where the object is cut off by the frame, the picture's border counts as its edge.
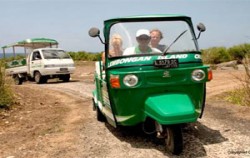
(38, 77)
(174, 139)
(29, 78)
(99, 115)
(66, 78)
(94, 105)
(18, 80)
(44, 79)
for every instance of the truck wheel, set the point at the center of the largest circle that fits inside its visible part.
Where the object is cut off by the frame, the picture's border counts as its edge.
(18, 80)
(38, 77)
(44, 79)
(66, 78)
(30, 78)
(174, 139)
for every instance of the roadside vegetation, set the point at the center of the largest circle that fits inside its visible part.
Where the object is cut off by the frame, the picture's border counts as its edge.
(240, 54)
(6, 94)
(241, 95)
(217, 55)
(81, 55)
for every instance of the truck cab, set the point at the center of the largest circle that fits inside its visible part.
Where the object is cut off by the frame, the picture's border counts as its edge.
(46, 63)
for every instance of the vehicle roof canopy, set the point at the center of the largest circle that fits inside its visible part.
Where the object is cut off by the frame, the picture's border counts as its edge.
(140, 18)
(148, 17)
(34, 43)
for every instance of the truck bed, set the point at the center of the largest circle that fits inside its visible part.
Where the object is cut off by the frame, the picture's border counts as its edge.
(16, 67)
(16, 70)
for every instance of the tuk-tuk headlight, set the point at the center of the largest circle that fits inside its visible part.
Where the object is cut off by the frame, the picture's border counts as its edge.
(198, 75)
(130, 80)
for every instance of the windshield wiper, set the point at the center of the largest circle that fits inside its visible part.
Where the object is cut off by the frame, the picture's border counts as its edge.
(166, 50)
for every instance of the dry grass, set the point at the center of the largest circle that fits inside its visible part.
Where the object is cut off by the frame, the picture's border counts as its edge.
(6, 95)
(241, 96)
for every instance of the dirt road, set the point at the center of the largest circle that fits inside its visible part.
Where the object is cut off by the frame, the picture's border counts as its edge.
(56, 120)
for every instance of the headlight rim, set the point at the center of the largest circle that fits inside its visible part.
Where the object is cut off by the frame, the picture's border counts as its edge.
(131, 76)
(198, 79)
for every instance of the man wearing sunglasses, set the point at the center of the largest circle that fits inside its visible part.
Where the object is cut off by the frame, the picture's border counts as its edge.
(143, 39)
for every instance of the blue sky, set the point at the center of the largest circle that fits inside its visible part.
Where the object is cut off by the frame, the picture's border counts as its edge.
(68, 21)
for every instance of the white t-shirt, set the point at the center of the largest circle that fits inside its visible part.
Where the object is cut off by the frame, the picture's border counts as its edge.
(136, 50)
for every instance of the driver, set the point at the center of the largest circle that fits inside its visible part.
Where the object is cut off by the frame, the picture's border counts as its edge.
(143, 39)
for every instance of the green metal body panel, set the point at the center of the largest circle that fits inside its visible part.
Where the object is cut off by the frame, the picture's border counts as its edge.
(133, 103)
(171, 108)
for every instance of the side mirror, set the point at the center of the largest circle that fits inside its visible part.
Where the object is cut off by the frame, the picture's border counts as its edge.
(94, 32)
(201, 27)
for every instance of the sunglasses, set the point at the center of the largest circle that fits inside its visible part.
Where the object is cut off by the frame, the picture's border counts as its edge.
(143, 38)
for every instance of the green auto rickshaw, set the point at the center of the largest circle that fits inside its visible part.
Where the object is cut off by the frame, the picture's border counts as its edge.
(160, 87)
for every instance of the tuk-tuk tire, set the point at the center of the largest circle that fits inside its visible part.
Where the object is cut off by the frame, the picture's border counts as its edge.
(94, 105)
(100, 116)
(174, 139)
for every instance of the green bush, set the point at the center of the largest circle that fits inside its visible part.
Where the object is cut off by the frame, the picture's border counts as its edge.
(6, 95)
(85, 56)
(215, 55)
(239, 52)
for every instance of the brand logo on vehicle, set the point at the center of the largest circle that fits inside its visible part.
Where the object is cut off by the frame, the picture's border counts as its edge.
(166, 74)
(149, 58)
(178, 56)
(129, 60)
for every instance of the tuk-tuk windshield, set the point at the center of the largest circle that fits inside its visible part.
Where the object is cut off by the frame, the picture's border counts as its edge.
(130, 38)
(55, 54)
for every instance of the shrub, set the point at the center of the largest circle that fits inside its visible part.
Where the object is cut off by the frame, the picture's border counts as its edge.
(81, 55)
(215, 55)
(6, 95)
(239, 52)
(241, 95)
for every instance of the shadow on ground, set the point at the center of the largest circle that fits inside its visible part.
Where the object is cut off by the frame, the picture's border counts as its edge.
(195, 136)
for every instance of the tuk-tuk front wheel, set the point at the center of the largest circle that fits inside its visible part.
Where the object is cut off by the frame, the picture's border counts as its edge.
(174, 139)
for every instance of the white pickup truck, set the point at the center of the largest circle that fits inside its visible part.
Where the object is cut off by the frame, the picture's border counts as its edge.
(40, 65)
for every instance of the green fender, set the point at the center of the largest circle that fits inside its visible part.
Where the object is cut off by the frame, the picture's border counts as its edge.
(171, 109)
